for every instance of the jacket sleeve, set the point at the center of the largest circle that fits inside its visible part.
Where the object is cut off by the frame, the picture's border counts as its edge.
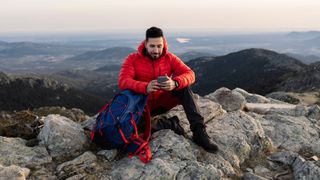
(127, 75)
(182, 73)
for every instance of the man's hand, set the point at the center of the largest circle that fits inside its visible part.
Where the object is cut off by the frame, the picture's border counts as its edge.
(153, 86)
(168, 85)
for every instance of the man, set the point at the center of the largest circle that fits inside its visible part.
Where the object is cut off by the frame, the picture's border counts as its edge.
(140, 72)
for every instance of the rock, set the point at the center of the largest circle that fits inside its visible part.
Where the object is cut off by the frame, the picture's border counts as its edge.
(298, 110)
(315, 146)
(5, 115)
(14, 172)
(83, 167)
(261, 171)
(198, 171)
(237, 135)
(89, 123)
(13, 151)
(75, 114)
(252, 98)
(302, 169)
(243, 92)
(252, 176)
(173, 157)
(283, 96)
(46, 172)
(291, 133)
(249, 170)
(63, 137)
(217, 161)
(314, 158)
(282, 109)
(109, 155)
(229, 100)
(314, 113)
(271, 108)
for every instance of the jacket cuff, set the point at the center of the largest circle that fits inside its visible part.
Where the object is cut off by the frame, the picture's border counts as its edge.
(179, 82)
(143, 87)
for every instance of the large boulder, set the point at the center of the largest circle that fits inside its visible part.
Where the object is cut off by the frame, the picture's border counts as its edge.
(290, 133)
(238, 135)
(13, 151)
(252, 98)
(63, 137)
(302, 169)
(229, 100)
(174, 157)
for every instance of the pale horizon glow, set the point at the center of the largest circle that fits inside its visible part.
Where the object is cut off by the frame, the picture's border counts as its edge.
(107, 15)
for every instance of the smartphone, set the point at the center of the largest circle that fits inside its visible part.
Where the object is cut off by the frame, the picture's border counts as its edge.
(162, 79)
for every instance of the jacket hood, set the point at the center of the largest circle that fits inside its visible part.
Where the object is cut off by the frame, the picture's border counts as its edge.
(142, 48)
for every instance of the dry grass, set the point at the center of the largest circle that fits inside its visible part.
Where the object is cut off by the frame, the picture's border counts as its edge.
(307, 98)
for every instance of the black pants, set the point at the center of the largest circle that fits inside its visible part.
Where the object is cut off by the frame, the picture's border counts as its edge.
(190, 107)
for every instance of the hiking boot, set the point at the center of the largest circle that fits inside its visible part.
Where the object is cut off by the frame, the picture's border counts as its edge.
(162, 122)
(201, 138)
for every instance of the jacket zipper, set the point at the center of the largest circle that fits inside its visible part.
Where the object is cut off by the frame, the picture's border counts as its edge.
(154, 76)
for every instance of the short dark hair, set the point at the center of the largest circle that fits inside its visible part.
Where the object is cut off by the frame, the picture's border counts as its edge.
(153, 32)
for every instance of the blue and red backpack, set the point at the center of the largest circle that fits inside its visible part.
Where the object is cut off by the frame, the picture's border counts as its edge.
(116, 125)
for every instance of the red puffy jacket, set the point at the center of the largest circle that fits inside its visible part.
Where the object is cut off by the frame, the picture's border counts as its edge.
(138, 70)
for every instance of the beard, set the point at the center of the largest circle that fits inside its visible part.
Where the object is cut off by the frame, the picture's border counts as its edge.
(153, 56)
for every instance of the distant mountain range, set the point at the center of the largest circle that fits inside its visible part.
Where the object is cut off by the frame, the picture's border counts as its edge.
(256, 70)
(109, 68)
(314, 41)
(116, 55)
(304, 35)
(187, 56)
(21, 49)
(305, 59)
(17, 93)
(100, 60)
(102, 83)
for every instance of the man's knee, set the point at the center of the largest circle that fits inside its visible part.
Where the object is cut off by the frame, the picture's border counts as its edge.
(183, 92)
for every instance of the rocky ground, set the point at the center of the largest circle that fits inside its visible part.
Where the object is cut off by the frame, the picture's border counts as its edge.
(259, 138)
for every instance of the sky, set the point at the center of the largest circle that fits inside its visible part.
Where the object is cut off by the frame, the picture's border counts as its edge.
(175, 15)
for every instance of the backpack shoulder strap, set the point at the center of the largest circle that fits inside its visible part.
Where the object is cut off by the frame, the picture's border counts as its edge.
(147, 117)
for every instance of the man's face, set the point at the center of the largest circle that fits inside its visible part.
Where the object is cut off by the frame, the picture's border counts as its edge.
(154, 47)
